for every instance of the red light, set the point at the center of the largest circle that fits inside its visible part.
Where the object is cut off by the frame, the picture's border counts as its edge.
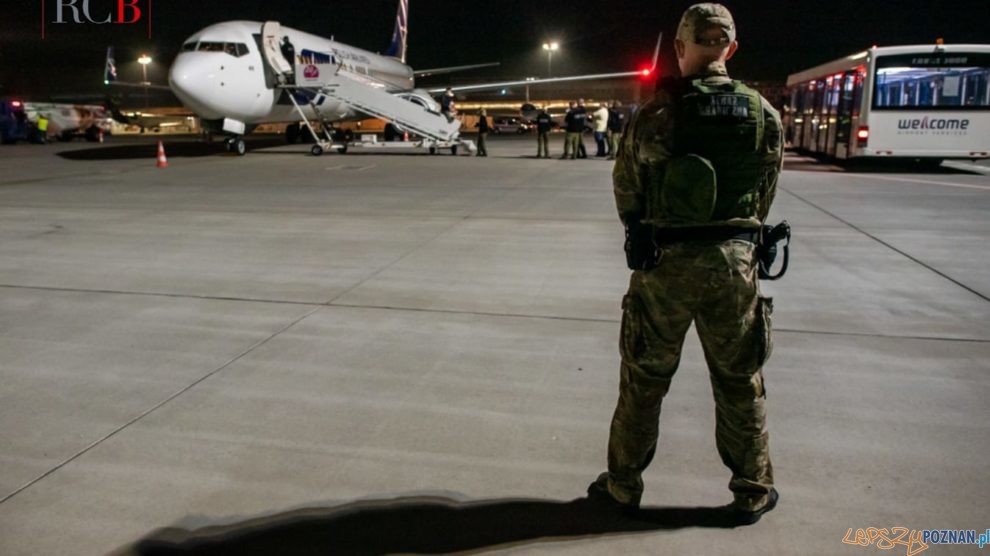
(16, 104)
(645, 72)
(862, 135)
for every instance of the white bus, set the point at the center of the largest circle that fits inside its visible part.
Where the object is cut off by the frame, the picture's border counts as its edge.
(927, 102)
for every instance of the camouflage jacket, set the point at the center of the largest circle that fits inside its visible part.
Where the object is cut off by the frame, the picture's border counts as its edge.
(647, 146)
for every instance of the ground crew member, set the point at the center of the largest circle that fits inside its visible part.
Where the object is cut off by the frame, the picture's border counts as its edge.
(696, 174)
(616, 125)
(600, 128)
(483, 129)
(43, 128)
(544, 123)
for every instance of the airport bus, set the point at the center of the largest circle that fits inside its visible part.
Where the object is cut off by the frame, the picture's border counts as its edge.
(924, 102)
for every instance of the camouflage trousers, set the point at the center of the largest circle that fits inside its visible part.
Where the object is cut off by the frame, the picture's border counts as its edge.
(714, 286)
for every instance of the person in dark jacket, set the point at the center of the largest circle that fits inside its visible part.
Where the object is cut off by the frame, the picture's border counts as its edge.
(574, 123)
(289, 53)
(544, 123)
(616, 126)
(582, 112)
(483, 129)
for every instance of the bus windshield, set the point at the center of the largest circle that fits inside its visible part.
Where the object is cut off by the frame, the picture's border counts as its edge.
(943, 80)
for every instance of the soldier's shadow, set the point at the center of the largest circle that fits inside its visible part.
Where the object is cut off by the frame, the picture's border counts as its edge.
(424, 525)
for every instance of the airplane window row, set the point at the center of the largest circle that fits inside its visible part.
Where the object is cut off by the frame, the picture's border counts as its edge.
(235, 49)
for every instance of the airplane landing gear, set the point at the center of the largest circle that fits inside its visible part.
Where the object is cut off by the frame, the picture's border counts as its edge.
(236, 145)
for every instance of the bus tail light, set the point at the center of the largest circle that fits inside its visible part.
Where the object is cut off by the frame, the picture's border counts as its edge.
(862, 136)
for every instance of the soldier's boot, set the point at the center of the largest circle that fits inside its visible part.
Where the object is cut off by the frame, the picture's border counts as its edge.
(599, 494)
(745, 516)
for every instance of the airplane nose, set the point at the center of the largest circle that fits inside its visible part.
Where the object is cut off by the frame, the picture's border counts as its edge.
(195, 85)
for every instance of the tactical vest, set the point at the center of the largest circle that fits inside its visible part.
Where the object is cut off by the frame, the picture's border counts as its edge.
(717, 169)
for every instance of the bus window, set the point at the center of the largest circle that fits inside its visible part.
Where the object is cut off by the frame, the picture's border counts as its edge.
(932, 81)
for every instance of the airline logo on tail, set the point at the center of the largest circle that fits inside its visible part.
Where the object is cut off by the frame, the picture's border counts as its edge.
(398, 47)
(110, 71)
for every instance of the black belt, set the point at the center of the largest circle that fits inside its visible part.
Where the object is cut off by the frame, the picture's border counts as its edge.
(668, 236)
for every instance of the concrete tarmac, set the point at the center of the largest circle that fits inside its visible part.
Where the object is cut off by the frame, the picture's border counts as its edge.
(372, 353)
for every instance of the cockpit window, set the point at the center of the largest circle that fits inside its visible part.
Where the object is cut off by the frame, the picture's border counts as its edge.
(235, 49)
(189, 46)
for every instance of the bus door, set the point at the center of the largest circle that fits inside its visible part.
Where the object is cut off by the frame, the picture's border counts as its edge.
(808, 110)
(843, 124)
(832, 121)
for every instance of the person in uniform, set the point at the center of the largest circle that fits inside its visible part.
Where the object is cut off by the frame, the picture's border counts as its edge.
(616, 125)
(544, 123)
(696, 173)
(483, 129)
(581, 114)
(573, 129)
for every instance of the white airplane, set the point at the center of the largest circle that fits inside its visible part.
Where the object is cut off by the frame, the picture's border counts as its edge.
(236, 75)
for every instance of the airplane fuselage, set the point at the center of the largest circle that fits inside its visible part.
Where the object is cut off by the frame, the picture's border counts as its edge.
(221, 73)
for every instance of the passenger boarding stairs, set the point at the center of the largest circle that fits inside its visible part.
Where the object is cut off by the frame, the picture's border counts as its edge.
(366, 95)
(322, 74)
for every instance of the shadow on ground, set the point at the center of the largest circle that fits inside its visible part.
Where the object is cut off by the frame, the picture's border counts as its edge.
(174, 148)
(425, 525)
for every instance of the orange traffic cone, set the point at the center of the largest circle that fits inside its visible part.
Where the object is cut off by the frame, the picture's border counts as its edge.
(162, 161)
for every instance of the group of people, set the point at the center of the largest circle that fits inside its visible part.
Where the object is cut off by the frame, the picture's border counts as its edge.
(607, 122)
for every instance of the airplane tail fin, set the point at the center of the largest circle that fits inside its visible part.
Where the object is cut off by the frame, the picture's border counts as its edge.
(398, 47)
(110, 70)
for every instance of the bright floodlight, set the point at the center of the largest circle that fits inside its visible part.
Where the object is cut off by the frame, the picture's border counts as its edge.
(551, 46)
(144, 60)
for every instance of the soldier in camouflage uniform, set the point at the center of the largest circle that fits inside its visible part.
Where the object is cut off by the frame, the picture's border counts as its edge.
(696, 174)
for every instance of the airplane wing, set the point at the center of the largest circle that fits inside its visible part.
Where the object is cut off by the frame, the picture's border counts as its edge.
(646, 72)
(452, 69)
(110, 76)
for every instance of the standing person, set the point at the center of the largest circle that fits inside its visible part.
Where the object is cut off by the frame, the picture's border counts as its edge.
(289, 53)
(600, 128)
(695, 178)
(544, 123)
(571, 137)
(43, 127)
(581, 113)
(616, 125)
(483, 129)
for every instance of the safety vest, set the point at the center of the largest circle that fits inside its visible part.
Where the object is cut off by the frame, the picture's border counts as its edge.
(42, 124)
(717, 167)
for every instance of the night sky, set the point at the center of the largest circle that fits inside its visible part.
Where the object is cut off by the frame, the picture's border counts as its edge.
(776, 38)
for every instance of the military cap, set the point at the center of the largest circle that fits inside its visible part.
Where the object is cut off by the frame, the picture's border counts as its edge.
(701, 17)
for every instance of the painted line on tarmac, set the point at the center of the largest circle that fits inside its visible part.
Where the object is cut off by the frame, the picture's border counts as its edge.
(887, 245)
(912, 180)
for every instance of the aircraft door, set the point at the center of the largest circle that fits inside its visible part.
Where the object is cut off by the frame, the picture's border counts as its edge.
(271, 37)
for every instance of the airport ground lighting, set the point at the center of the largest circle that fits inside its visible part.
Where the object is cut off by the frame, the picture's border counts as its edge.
(550, 48)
